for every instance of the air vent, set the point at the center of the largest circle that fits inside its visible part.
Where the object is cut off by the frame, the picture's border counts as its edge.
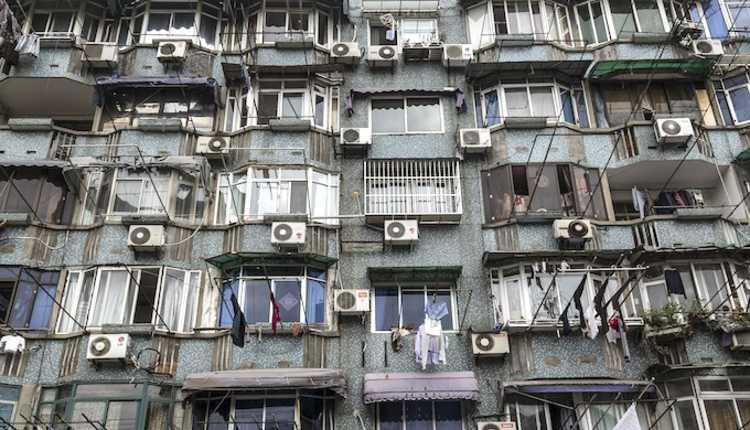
(171, 51)
(288, 234)
(572, 229)
(350, 135)
(356, 136)
(352, 301)
(145, 237)
(345, 52)
(340, 49)
(386, 52)
(475, 140)
(708, 48)
(490, 344)
(382, 56)
(673, 130)
(167, 49)
(457, 55)
(401, 232)
(140, 235)
(212, 146)
(108, 347)
(453, 51)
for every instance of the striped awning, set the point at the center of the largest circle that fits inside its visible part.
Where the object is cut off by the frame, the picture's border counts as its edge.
(267, 379)
(390, 387)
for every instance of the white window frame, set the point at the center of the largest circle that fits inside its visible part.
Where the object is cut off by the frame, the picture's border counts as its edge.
(145, 180)
(46, 32)
(311, 25)
(280, 94)
(404, 99)
(538, 33)
(238, 99)
(147, 36)
(427, 289)
(434, 422)
(556, 21)
(517, 419)
(731, 395)
(528, 87)
(727, 95)
(666, 27)
(72, 301)
(401, 38)
(609, 28)
(185, 308)
(131, 274)
(12, 403)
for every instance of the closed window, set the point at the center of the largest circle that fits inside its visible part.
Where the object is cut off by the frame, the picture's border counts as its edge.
(299, 292)
(27, 297)
(40, 192)
(284, 25)
(179, 299)
(592, 22)
(420, 414)
(281, 99)
(237, 112)
(419, 31)
(733, 97)
(404, 306)
(406, 115)
(518, 17)
(138, 192)
(52, 22)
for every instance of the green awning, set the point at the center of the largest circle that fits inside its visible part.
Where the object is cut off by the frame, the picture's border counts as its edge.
(414, 274)
(744, 156)
(659, 69)
(234, 259)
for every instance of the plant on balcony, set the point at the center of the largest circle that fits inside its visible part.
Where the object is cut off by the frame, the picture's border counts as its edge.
(666, 323)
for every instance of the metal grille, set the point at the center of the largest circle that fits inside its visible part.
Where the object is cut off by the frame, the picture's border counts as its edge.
(627, 146)
(169, 349)
(644, 235)
(222, 359)
(62, 144)
(412, 187)
(12, 364)
(69, 357)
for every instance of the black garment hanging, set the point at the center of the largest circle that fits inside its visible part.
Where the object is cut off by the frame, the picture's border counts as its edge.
(599, 306)
(238, 324)
(673, 279)
(577, 299)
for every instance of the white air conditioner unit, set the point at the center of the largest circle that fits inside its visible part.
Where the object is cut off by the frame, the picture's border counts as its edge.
(108, 347)
(11, 344)
(489, 344)
(144, 237)
(288, 234)
(172, 50)
(401, 232)
(496, 425)
(356, 136)
(572, 229)
(382, 55)
(345, 52)
(457, 55)
(351, 301)
(741, 341)
(100, 54)
(212, 146)
(673, 130)
(475, 140)
(708, 48)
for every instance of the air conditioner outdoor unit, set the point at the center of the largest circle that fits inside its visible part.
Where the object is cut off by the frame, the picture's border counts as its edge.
(288, 234)
(212, 146)
(382, 56)
(457, 55)
(171, 51)
(352, 301)
(708, 48)
(673, 130)
(401, 232)
(100, 54)
(345, 52)
(496, 425)
(356, 136)
(572, 229)
(475, 140)
(490, 344)
(108, 347)
(12, 344)
(144, 237)
(741, 341)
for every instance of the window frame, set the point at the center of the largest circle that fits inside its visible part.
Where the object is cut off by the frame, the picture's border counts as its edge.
(450, 287)
(145, 184)
(33, 278)
(608, 27)
(404, 422)
(405, 100)
(401, 38)
(727, 94)
(311, 89)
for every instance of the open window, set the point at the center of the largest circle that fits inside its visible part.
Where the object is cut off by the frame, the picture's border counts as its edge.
(661, 98)
(295, 99)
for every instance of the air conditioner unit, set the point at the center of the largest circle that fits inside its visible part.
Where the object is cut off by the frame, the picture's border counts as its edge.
(457, 55)
(212, 146)
(356, 136)
(172, 51)
(11, 344)
(741, 341)
(345, 52)
(145, 237)
(572, 229)
(490, 344)
(673, 130)
(382, 56)
(708, 48)
(102, 55)
(496, 425)
(401, 232)
(286, 234)
(108, 347)
(351, 301)
(475, 140)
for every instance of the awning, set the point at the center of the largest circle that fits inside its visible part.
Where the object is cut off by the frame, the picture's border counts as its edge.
(40, 164)
(579, 386)
(389, 387)
(234, 259)
(267, 379)
(743, 157)
(493, 258)
(657, 69)
(396, 90)
(422, 273)
(107, 84)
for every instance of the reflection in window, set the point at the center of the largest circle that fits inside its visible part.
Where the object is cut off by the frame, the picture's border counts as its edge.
(27, 297)
(405, 306)
(38, 192)
(420, 415)
(406, 115)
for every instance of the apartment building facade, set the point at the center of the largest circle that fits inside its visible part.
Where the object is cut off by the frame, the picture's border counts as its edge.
(374, 214)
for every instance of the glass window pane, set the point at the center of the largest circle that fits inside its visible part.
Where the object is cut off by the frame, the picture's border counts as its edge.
(208, 30)
(267, 107)
(740, 98)
(44, 302)
(386, 309)
(93, 410)
(146, 298)
(257, 301)
(412, 308)
(320, 109)
(423, 115)
(388, 116)
(292, 106)
(686, 417)
(23, 300)
(298, 21)
(280, 414)
(713, 384)
(492, 107)
(249, 414)
(744, 408)
(586, 24)
(517, 102)
(600, 23)
(287, 294)
(543, 102)
(316, 301)
(158, 22)
(418, 415)
(649, 16)
(444, 296)
(127, 196)
(122, 415)
(622, 16)
(720, 414)
(62, 22)
(448, 416)
(390, 416)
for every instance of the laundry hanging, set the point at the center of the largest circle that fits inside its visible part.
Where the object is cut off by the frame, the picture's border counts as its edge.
(238, 323)
(28, 45)
(430, 344)
(673, 279)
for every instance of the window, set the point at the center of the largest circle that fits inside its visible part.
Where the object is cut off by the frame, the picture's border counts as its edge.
(559, 23)
(592, 22)
(300, 293)
(380, 35)
(739, 15)
(419, 31)
(733, 98)
(259, 192)
(49, 23)
(406, 115)
(654, 289)
(404, 306)
(558, 190)
(280, 25)
(529, 416)
(531, 99)
(661, 98)
(138, 192)
(193, 106)
(518, 17)
(27, 297)
(638, 16)
(420, 414)
(165, 21)
(724, 402)
(165, 297)
(236, 113)
(281, 99)
(38, 191)
(410, 187)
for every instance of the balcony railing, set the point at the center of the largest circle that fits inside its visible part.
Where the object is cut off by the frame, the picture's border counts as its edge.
(428, 189)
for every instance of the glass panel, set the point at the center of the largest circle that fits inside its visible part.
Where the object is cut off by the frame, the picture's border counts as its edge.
(257, 301)
(492, 107)
(448, 416)
(649, 16)
(280, 414)
(412, 308)
(288, 298)
(444, 296)
(275, 24)
(744, 407)
(712, 280)
(514, 291)
(249, 414)
(158, 22)
(390, 416)
(267, 107)
(23, 300)
(61, 22)
(622, 16)
(685, 413)
(517, 102)
(320, 109)
(208, 30)
(113, 289)
(93, 410)
(388, 116)
(418, 415)
(600, 23)
(158, 416)
(586, 27)
(423, 115)
(713, 384)
(127, 196)
(720, 414)
(122, 415)
(542, 102)
(546, 197)
(316, 301)
(740, 98)
(44, 302)
(298, 21)
(146, 299)
(386, 309)
(292, 106)
(322, 29)
(172, 291)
